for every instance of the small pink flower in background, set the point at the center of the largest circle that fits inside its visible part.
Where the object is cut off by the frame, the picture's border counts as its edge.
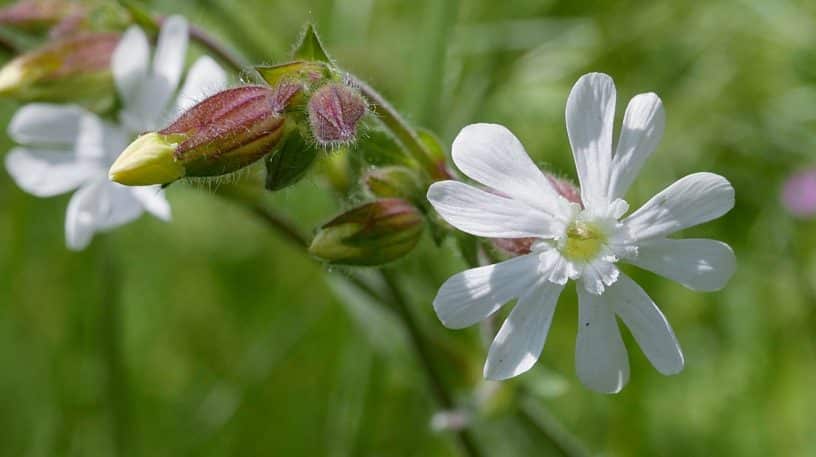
(799, 193)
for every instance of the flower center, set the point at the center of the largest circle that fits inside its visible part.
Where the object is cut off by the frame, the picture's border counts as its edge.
(584, 241)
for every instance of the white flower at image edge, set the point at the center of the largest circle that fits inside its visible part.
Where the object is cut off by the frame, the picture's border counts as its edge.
(66, 148)
(579, 242)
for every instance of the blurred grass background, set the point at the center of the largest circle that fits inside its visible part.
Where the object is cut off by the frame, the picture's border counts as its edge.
(225, 340)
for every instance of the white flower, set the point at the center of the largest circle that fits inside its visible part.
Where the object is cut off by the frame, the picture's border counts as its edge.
(65, 147)
(579, 242)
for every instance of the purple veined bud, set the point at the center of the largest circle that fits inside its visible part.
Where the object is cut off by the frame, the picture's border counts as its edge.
(222, 134)
(799, 194)
(39, 14)
(522, 246)
(74, 69)
(372, 234)
(335, 110)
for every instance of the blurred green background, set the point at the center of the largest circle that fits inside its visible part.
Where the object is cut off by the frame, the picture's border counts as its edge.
(227, 341)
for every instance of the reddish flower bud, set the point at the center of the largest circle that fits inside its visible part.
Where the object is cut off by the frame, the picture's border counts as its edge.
(220, 135)
(39, 14)
(334, 112)
(372, 234)
(74, 69)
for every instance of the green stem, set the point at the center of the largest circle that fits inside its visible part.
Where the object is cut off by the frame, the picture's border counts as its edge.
(280, 225)
(549, 427)
(111, 327)
(201, 37)
(398, 126)
(440, 392)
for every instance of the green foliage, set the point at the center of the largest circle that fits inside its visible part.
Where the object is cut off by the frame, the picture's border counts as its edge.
(230, 342)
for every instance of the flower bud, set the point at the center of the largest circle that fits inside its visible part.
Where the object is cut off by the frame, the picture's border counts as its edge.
(393, 182)
(334, 112)
(39, 14)
(74, 69)
(372, 234)
(222, 134)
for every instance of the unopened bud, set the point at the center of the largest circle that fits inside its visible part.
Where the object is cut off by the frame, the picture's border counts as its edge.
(372, 234)
(75, 69)
(522, 246)
(334, 112)
(39, 14)
(393, 182)
(222, 134)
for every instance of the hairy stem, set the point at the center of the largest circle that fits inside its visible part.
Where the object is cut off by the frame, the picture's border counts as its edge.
(201, 37)
(398, 126)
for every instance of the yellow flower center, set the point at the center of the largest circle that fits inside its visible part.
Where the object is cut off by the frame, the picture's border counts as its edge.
(584, 241)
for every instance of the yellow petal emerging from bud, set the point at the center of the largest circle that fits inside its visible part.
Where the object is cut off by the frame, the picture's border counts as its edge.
(148, 160)
(11, 77)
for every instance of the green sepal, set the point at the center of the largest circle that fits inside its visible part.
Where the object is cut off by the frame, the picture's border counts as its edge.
(310, 47)
(379, 148)
(290, 162)
(297, 70)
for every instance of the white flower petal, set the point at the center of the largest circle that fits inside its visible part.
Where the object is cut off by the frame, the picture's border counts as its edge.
(600, 356)
(168, 63)
(493, 156)
(45, 173)
(473, 295)
(692, 200)
(82, 215)
(205, 78)
(90, 140)
(518, 344)
(590, 117)
(647, 324)
(703, 265)
(130, 64)
(44, 124)
(118, 206)
(481, 213)
(99, 141)
(153, 201)
(643, 126)
(598, 275)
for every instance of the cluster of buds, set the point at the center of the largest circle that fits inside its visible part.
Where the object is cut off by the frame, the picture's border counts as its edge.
(71, 69)
(307, 107)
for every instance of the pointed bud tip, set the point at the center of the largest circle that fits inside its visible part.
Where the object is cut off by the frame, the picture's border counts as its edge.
(335, 110)
(11, 77)
(147, 161)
